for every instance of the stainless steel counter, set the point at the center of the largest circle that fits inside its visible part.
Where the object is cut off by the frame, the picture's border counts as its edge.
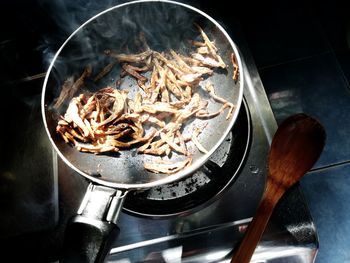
(210, 234)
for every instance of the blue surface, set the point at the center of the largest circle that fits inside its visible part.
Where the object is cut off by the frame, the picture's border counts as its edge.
(302, 50)
(278, 32)
(317, 87)
(327, 194)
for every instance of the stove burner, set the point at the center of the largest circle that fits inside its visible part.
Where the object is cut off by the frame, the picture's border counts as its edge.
(202, 187)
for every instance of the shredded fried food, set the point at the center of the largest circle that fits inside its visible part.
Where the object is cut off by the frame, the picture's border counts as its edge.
(105, 71)
(235, 67)
(194, 138)
(70, 87)
(167, 167)
(154, 119)
(210, 88)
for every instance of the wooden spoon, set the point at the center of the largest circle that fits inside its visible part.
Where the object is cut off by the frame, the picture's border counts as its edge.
(295, 148)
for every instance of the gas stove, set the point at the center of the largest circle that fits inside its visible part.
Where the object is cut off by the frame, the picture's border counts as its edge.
(202, 218)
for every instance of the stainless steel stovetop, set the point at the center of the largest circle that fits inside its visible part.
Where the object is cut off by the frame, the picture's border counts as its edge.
(210, 233)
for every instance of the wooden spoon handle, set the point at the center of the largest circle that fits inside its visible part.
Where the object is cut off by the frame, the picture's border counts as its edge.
(254, 231)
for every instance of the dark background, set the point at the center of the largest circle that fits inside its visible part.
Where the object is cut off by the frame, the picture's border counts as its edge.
(301, 49)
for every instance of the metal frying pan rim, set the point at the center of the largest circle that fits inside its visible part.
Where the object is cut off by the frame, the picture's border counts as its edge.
(182, 173)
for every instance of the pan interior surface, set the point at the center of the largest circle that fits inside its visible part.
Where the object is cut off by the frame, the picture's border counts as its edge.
(201, 188)
(166, 25)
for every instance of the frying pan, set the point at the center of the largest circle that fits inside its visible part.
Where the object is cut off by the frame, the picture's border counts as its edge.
(166, 25)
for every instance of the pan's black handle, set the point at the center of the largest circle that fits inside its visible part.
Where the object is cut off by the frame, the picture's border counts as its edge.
(88, 240)
(89, 234)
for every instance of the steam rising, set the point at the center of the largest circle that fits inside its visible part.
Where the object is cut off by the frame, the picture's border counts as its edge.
(68, 15)
(165, 25)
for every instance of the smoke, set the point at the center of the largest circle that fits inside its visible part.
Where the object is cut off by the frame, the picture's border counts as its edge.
(164, 25)
(67, 16)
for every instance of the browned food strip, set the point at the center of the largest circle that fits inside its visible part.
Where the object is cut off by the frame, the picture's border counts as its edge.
(132, 58)
(77, 135)
(207, 41)
(202, 70)
(142, 148)
(72, 115)
(89, 106)
(121, 134)
(145, 138)
(197, 43)
(145, 68)
(204, 114)
(69, 137)
(69, 87)
(155, 120)
(170, 129)
(157, 151)
(117, 129)
(194, 138)
(163, 88)
(174, 89)
(161, 85)
(211, 48)
(131, 71)
(179, 104)
(192, 78)
(210, 89)
(169, 64)
(192, 61)
(62, 122)
(159, 107)
(181, 63)
(88, 126)
(134, 117)
(230, 111)
(100, 148)
(61, 129)
(65, 138)
(137, 103)
(154, 77)
(104, 71)
(203, 50)
(181, 143)
(119, 144)
(196, 104)
(66, 88)
(80, 81)
(142, 85)
(175, 86)
(169, 139)
(118, 107)
(165, 94)
(167, 167)
(235, 67)
(207, 61)
(138, 129)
